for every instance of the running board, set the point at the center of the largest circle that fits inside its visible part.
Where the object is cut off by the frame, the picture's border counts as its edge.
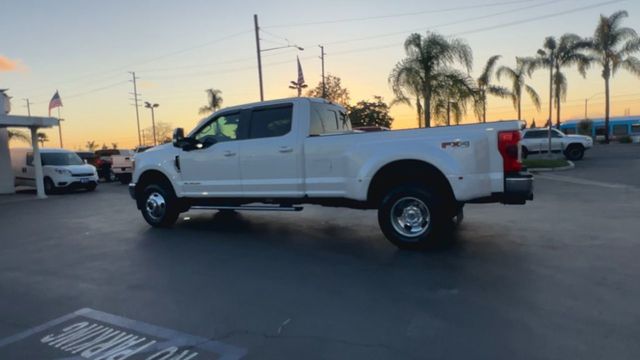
(249, 208)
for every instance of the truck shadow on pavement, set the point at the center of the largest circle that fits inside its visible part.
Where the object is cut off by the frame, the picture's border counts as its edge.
(285, 232)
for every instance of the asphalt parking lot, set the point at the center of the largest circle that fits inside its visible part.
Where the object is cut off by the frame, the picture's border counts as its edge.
(558, 278)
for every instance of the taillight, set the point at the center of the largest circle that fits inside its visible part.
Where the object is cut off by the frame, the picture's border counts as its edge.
(508, 146)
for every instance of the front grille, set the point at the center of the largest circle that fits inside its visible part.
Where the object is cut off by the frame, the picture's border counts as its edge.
(81, 175)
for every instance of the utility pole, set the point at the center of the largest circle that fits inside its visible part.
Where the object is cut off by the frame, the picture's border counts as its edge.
(135, 99)
(28, 106)
(258, 52)
(324, 86)
(586, 101)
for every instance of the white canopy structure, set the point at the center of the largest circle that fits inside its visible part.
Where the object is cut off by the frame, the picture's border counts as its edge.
(33, 123)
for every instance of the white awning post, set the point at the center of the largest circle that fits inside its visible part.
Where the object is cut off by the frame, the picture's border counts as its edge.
(37, 163)
(6, 172)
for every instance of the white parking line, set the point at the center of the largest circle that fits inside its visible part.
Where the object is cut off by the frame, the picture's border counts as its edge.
(578, 181)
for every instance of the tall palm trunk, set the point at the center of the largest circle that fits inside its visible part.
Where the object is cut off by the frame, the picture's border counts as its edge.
(484, 106)
(519, 106)
(427, 109)
(606, 106)
(557, 99)
(550, 107)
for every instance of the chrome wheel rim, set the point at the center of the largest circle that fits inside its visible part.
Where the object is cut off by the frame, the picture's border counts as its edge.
(155, 206)
(410, 217)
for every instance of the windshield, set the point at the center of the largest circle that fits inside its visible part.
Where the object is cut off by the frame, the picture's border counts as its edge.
(61, 159)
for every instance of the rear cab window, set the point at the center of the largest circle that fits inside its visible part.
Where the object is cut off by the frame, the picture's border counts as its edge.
(328, 120)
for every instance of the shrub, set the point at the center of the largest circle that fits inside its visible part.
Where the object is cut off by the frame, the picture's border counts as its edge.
(625, 139)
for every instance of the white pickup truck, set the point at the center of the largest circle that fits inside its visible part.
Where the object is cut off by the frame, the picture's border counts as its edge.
(278, 155)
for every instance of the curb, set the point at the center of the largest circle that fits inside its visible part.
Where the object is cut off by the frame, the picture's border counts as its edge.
(568, 167)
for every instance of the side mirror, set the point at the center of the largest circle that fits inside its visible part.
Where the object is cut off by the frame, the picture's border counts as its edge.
(178, 136)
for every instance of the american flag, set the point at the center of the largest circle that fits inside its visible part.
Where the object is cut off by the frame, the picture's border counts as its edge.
(300, 74)
(55, 102)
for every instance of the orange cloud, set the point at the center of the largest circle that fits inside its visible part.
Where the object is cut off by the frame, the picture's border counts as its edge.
(9, 65)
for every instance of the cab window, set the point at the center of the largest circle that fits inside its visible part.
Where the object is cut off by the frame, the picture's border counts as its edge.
(270, 122)
(325, 120)
(30, 159)
(220, 129)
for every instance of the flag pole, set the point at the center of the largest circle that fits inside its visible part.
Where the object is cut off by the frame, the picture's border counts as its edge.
(60, 127)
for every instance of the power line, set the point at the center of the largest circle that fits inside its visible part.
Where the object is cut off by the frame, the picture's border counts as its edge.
(498, 26)
(504, 12)
(325, 22)
(543, 17)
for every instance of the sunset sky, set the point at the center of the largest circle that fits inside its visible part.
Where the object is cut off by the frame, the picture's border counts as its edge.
(178, 49)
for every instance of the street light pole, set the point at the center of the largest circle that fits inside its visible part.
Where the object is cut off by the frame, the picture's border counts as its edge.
(150, 106)
(258, 52)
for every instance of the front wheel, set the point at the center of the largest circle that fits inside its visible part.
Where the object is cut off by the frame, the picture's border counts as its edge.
(159, 205)
(574, 152)
(409, 215)
(49, 186)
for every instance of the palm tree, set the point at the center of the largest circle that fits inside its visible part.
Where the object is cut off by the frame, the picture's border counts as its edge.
(451, 95)
(42, 138)
(18, 135)
(556, 55)
(215, 101)
(613, 46)
(486, 88)
(91, 146)
(428, 59)
(517, 77)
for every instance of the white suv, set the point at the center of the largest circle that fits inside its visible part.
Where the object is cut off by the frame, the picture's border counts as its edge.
(62, 169)
(536, 141)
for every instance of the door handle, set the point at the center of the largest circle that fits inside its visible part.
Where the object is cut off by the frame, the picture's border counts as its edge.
(229, 153)
(285, 149)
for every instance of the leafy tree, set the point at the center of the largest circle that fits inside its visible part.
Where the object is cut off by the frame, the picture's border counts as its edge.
(214, 101)
(485, 87)
(18, 135)
(517, 77)
(533, 124)
(370, 113)
(164, 132)
(427, 69)
(114, 145)
(613, 47)
(585, 127)
(91, 146)
(104, 146)
(334, 90)
(42, 138)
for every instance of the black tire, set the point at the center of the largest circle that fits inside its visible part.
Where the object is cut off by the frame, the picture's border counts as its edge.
(159, 196)
(411, 200)
(574, 152)
(49, 186)
(124, 179)
(525, 152)
(92, 186)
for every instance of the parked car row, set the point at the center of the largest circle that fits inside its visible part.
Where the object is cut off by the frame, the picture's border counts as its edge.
(68, 170)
